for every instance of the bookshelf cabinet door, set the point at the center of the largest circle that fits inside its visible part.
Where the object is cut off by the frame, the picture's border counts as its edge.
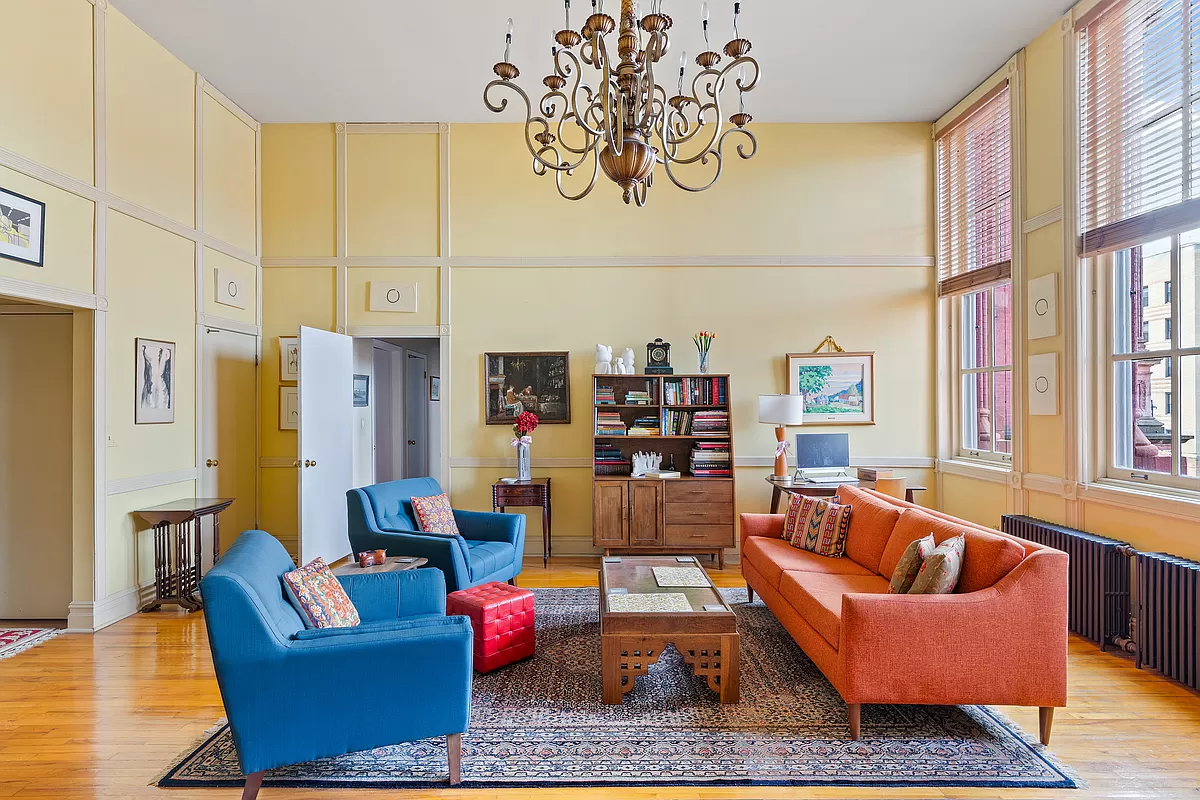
(610, 516)
(645, 513)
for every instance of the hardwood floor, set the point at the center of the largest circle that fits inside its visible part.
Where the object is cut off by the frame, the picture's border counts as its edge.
(101, 716)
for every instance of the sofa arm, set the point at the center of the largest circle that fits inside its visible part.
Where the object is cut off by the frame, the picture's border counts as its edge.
(766, 525)
(488, 526)
(1006, 644)
(393, 595)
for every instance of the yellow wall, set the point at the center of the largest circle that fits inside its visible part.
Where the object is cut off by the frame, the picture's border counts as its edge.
(149, 146)
(806, 196)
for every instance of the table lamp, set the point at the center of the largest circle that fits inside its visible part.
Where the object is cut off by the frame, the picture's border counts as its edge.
(781, 410)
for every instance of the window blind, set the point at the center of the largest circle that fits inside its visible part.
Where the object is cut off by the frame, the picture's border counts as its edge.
(1139, 120)
(974, 185)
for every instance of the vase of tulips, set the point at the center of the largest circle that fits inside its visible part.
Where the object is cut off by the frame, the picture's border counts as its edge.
(703, 340)
(524, 426)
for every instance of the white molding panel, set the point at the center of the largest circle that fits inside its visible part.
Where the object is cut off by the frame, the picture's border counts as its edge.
(40, 293)
(1045, 219)
(896, 462)
(151, 481)
(225, 324)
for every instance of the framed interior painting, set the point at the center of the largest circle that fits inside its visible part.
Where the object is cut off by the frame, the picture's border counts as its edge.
(537, 382)
(362, 391)
(838, 388)
(435, 388)
(289, 358)
(154, 382)
(22, 234)
(289, 408)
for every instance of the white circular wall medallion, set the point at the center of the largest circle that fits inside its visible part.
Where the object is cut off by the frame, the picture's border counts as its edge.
(393, 296)
(1041, 385)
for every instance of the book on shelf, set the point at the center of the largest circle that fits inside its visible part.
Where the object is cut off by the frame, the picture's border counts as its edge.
(710, 422)
(711, 460)
(609, 423)
(695, 391)
(645, 426)
(638, 398)
(610, 461)
(873, 473)
(606, 396)
(663, 473)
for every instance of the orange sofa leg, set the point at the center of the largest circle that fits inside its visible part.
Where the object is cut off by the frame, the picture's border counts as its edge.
(1045, 722)
(855, 710)
(750, 593)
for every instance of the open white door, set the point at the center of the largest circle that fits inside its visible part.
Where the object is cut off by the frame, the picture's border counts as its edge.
(326, 442)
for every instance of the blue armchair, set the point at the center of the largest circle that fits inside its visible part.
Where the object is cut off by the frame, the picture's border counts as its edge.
(289, 692)
(490, 548)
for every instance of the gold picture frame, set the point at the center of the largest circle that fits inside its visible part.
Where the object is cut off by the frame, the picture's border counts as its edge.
(838, 387)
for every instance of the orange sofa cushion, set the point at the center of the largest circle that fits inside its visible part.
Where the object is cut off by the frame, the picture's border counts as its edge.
(871, 525)
(818, 597)
(987, 559)
(772, 556)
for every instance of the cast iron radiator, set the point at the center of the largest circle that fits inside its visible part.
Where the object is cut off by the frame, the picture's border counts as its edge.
(1098, 582)
(1168, 616)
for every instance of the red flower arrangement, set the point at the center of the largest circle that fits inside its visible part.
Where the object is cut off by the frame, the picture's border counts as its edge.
(527, 421)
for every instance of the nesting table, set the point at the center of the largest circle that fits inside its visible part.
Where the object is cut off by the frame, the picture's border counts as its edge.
(534, 493)
(178, 548)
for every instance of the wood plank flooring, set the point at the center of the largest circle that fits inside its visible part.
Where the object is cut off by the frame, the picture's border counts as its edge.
(101, 716)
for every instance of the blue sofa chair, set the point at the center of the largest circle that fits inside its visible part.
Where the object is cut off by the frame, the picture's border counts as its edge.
(490, 548)
(291, 694)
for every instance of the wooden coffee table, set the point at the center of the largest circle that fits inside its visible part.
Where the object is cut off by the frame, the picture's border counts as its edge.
(705, 632)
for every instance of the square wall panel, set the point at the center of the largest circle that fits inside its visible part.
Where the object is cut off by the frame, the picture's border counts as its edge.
(392, 194)
(299, 215)
(222, 269)
(230, 195)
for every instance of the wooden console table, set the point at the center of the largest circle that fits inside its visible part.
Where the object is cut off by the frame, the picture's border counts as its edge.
(534, 493)
(778, 489)
(178, 548)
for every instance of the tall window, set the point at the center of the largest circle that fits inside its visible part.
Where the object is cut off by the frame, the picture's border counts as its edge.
(1139, 111)
(974, 185)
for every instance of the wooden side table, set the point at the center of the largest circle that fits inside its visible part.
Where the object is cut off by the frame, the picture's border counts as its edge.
(393, 564)
(178, 548)
(534, 493)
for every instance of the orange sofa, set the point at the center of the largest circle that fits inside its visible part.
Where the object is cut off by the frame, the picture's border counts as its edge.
(1000, 638)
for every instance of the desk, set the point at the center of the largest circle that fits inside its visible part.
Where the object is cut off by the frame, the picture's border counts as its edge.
(821, 490)
(178, 556)
(534, 493)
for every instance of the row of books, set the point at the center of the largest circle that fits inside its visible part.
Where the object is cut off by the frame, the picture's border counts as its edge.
(645, 426)
(610, 461)
(606, 396)
(609, 423)
(711, 460)
(635, 397)
(695, 391)
(712, 422)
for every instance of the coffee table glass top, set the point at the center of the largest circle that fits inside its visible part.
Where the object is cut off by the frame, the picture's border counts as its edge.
(629, 585)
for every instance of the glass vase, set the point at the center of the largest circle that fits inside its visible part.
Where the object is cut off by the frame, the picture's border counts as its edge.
(524, 464)
(705, 367)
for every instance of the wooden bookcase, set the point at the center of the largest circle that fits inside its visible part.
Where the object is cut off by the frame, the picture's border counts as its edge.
(692, 514)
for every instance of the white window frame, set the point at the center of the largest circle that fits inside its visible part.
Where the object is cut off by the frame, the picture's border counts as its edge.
(958, 337)
(1104, 390)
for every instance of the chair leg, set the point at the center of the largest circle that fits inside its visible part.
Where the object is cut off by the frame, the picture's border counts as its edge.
(855, 710)
(454, 755)
(750, 593)
(512, 581)
(253, 783)
(1045, 722)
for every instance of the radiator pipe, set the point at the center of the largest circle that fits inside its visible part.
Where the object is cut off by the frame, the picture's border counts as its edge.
(1123, 643)
(1129, 643)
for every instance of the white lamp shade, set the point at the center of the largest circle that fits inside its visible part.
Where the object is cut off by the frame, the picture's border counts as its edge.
(781, 409)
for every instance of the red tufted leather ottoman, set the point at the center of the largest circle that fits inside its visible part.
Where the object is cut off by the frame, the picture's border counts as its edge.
(502, 618)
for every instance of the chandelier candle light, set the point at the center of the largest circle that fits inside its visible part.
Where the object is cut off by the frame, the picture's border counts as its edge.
(703, 340)
(630, 124)
(525, 425)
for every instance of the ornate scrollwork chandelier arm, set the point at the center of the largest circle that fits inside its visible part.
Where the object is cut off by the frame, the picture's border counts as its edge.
(703, 158)
(532, 123)
(558, 179)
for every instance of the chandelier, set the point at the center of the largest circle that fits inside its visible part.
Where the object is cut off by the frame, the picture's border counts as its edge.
(630, 124)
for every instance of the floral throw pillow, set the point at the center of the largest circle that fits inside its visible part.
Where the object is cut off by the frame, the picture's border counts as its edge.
(818, 526)
(910, 564)
(434, 515)
(939, 573)
(319, 597)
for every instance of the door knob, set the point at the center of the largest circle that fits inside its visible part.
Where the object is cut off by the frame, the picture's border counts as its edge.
(412, 442)
(212, 462)
(296, 463)
(310, 463)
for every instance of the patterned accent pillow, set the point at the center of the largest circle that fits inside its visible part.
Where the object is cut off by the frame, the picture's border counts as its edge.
(319, 597)
(434, 515)
(816, 525)
(939, 573)
(910, 564)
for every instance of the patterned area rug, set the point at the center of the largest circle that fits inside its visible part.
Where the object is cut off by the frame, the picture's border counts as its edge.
(18, 640)
(541, 723)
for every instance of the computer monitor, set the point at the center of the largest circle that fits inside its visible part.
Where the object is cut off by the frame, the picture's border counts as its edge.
(822, 451)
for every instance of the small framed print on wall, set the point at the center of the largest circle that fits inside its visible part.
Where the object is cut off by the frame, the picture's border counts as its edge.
(22, 234)
(154, 382)
(289, 408)
(838, 388)
(435, 388)
(289, 358)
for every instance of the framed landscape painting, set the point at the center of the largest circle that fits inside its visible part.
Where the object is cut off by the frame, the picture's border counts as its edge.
(838, 388)
(537, 382)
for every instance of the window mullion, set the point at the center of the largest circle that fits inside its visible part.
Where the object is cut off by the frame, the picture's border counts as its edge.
(1176, 366)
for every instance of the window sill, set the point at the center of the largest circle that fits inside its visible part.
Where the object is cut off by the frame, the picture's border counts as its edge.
(1181, 503)
(992, 471)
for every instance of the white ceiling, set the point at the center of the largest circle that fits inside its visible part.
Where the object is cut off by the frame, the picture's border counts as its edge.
(409, 61)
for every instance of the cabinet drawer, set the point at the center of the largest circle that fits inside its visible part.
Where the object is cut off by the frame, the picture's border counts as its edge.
(698, 513)
(516, 495)
(699, 491)
(698, 536)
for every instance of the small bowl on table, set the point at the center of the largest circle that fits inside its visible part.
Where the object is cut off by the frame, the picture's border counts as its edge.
(372, 558)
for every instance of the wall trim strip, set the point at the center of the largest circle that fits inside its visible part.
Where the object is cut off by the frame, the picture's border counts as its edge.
(226, 324)
(152, 481)
(508, 262)
(897, 462)
(979, 472)
(1045, 219)
(229, 105)
(54, 295)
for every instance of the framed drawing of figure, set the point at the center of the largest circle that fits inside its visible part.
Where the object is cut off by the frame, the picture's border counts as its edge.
(154, 382)
(537, 382)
